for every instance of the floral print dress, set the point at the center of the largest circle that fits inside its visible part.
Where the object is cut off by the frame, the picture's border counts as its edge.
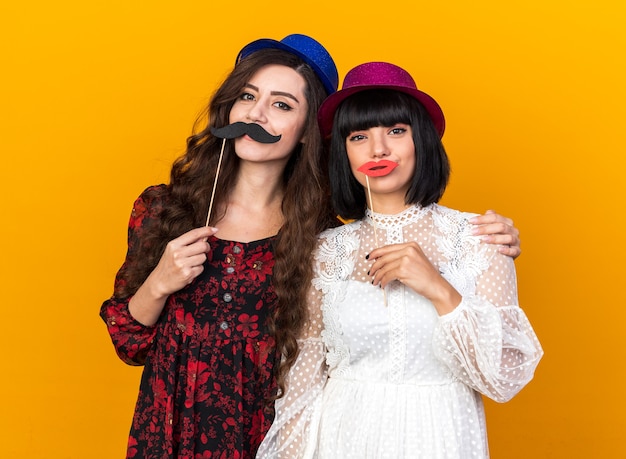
(208, 361)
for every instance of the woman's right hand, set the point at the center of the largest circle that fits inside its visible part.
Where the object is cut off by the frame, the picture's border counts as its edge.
(182, 261)
(408, 264)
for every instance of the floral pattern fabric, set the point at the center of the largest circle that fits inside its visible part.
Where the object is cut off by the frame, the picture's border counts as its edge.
(208, 361)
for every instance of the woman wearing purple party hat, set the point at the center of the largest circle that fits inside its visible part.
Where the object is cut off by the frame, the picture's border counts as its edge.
(411, 318)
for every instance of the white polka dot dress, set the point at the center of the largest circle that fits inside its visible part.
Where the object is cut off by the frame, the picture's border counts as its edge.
(383, 375)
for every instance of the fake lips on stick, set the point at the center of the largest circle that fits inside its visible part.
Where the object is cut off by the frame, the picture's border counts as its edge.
(378, 168)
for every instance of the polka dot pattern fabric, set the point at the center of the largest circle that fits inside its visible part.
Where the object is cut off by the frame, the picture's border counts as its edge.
(383, 375)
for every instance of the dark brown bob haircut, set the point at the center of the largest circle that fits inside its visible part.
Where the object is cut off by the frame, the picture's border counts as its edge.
(385, 107)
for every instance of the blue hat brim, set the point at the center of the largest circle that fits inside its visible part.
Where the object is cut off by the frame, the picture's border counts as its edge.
(330, 82)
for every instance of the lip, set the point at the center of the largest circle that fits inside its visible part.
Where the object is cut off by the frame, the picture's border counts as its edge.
(378, 168)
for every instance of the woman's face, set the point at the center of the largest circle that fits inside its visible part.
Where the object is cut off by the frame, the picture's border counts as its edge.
(387, 155)
(275, 99)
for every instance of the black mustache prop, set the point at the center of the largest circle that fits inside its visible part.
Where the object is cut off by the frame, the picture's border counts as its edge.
(256, 132)
(232, 131)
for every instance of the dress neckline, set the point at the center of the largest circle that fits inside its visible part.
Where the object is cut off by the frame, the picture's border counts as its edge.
(254, 242)
(388, 221)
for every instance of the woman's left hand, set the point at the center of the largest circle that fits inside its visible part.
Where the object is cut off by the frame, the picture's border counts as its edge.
(496, 229)
(408, 264)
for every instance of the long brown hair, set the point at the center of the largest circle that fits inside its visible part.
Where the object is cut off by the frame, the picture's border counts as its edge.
(305, 206)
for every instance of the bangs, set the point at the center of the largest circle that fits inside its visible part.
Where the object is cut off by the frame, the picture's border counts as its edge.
(385, 108)
(372, 108)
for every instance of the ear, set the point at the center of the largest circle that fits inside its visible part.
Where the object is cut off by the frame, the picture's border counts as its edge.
(304, 136)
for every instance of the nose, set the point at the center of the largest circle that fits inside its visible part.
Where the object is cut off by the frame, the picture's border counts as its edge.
(256, 114)
(380, 149)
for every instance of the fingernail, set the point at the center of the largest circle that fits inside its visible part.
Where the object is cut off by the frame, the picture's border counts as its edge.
(368, 273)
(367, 257)
(475, 231)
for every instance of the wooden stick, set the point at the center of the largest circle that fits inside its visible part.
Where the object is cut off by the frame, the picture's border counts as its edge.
(369, 194)
(217, 174)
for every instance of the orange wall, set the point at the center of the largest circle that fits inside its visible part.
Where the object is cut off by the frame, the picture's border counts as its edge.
(97, 98)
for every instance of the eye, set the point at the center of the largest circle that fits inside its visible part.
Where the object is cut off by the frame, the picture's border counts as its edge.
(246, 96)
(397, 130)
(356, 137)
(283, 106)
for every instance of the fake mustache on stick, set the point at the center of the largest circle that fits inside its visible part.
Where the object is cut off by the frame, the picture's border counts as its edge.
(238, 129)
(232, 131)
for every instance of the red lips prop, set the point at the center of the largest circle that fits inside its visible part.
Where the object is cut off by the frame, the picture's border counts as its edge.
(378, 168)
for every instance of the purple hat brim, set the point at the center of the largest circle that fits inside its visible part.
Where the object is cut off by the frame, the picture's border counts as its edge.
(326, 113)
